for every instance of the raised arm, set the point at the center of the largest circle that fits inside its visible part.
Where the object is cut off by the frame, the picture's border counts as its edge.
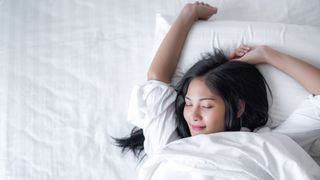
(166, 59)
(307, 75)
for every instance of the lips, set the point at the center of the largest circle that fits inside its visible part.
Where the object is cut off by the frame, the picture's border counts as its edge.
(197, 127)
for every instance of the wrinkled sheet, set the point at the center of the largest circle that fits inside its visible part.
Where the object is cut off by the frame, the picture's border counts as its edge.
(231, 155)
(66, 72)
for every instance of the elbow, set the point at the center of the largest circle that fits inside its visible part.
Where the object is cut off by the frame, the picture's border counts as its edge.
(152, 75)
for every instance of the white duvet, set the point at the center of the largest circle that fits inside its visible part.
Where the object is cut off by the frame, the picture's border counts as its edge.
(231, 155)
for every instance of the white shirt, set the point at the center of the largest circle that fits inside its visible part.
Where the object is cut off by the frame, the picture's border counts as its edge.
(152, 109)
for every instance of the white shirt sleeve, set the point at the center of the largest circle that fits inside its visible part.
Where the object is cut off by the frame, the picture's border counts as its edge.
(303, 125)
(152, 108)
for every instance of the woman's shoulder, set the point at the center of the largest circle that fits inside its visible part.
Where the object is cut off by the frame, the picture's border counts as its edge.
(150, 99)
(154, 92)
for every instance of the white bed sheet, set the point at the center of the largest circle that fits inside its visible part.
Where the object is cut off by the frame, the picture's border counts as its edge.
(66, 71)
(67, 68)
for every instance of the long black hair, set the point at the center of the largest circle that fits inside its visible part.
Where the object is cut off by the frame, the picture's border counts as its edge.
(234, 81)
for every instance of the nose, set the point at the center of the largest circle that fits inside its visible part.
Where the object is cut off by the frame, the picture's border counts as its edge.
(195, 114)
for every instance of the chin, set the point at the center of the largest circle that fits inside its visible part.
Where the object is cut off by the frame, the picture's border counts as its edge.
(197, 133)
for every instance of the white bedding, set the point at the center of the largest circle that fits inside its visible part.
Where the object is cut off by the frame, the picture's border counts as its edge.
(231, 155)
(66, 72)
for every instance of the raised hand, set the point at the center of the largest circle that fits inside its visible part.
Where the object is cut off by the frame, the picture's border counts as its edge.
(166, 59)
(239, 52)
(199, 10)
(307, 75)
(204, 11)
(252, 55)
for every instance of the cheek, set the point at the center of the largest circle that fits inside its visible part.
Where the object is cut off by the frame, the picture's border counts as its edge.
(214, 118)
(185, 114)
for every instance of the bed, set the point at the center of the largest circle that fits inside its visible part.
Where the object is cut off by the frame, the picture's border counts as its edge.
(67, 69)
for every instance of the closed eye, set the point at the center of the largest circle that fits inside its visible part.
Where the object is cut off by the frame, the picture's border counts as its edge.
(207, 107)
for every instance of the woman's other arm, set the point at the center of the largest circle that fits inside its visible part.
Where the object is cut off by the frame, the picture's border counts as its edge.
(166, 59)
(307, 75)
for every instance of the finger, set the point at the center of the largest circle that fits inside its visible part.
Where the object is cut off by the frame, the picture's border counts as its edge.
(244, 46)
(238, 59)
(211, 11)
(232, 55)
(241, 59)
(245, 50)
(240, 53)
(207, 5)
(239, 50)
(215, 10)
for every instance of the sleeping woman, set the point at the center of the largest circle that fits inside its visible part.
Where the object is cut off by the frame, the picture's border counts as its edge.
(216, 95)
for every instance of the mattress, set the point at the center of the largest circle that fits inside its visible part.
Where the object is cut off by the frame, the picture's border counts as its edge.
(66, 72)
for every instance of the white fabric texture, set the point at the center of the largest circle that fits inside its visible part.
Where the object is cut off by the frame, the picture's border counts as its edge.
(303, 125)
(152, 108)
(231, 155)
(67, 69)
(283, 11)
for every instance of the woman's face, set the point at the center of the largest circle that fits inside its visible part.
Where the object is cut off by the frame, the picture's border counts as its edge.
(204, 111)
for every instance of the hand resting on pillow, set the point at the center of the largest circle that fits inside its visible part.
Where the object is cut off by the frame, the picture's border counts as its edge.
(307, 75)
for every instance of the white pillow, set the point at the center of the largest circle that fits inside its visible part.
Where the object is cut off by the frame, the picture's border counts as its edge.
(300, 12)
(297, 40)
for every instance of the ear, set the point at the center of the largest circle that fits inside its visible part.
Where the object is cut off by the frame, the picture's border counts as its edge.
(241, 107)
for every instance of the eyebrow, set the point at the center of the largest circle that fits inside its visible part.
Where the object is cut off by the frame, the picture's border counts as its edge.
(202, 99)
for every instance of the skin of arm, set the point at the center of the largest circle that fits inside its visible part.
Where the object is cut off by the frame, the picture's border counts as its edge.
(307, 75)
(166, 59)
